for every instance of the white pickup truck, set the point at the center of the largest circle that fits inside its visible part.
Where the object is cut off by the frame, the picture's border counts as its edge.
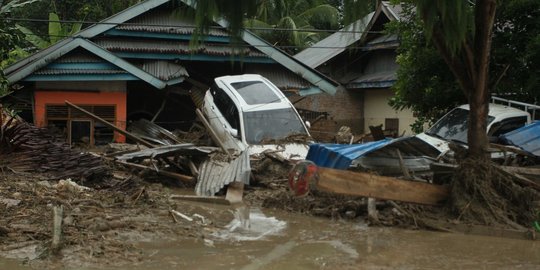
(250, 112)
(503, 117)
(421, 150)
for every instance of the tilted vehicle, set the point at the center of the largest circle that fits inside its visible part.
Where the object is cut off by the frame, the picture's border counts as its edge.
(250, 112)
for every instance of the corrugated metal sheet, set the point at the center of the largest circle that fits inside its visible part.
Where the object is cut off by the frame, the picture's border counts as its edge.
(165, 21)
(334, 44)
(165, 70)
(279, 76)
(79, 57)
(197, 95)
(172, 47)
(152, 132)
(340, 156)
(51, 71)
(215, 174)
(374, 80)
(168, 150)
(526, 138)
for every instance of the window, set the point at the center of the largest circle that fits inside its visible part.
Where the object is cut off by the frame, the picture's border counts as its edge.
(256, 92)
(76, 127)
(226, 106)
(272, 125)
(507, 125)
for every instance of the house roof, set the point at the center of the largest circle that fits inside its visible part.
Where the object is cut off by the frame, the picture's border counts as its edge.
(147, 18)
(373, 73)
(336, 43)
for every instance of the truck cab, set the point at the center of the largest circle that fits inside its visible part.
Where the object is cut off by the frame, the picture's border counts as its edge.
(452, 127)
(250, 112)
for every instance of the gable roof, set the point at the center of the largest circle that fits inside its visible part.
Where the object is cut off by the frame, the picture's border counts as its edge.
(28, 65)
(335, 44)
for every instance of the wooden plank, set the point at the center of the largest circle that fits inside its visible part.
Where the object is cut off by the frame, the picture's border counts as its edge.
(203, 199)
(212, 132)
(380, 187)
(181, 177)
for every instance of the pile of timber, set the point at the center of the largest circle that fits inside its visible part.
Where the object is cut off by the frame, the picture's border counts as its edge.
(26, 148)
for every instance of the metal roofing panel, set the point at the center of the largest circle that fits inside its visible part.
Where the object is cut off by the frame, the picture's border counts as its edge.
(334, 44)
(165, 70)
(165, 21)
(174, 47)
(279, 76)
(214, 174)
(340, 156)
(54, 71)
(526, 138)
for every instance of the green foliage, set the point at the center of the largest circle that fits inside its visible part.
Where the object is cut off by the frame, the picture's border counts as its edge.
(424, 83)
(57, 31)
(9, 37)
(516, 50)
(427, 87)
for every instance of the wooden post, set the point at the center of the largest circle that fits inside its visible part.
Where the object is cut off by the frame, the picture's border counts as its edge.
(212, 132)
(57, 228)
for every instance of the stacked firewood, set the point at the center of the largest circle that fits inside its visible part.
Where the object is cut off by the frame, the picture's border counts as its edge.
(26, 148)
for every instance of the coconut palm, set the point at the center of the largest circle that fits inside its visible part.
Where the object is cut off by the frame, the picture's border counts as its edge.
(292, 24)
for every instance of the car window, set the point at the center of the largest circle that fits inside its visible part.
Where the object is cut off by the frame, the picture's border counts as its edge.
(226, 106)
(256, 92)
(453, 126)
(507, 125)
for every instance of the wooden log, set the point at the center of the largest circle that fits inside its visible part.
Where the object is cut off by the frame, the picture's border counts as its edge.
(212, 132)
(380, 187)
(307, 176)
(203, 199)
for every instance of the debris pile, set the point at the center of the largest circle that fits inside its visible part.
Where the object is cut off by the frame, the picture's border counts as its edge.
(26, 148)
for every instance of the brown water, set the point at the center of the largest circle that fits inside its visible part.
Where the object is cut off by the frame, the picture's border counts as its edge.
(278, 240)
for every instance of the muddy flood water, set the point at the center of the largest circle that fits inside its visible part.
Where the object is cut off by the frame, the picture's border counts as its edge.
(279, 240)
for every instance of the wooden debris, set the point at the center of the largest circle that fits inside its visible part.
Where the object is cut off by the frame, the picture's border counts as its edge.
(58, 212)
(203, 199)
(235, 192)
(212, 132)
(306, 175)
(181, 177)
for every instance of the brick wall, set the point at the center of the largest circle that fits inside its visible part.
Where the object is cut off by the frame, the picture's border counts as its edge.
(345, 108)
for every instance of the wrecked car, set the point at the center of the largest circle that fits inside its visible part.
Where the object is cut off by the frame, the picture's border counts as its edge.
(250, 112)
(419, 151)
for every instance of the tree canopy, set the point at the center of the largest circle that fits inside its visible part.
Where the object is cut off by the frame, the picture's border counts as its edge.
(423, 77)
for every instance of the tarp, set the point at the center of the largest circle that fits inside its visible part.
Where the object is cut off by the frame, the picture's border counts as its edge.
(526, 138)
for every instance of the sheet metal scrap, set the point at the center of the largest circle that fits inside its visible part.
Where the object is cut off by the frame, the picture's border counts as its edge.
(169, 150)
(153, 133)
(215, 174)
(26, 148)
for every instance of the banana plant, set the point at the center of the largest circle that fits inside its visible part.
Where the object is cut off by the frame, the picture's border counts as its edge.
(57, 31)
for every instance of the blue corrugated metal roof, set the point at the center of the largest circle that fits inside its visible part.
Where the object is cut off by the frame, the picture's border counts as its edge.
(340, 156)
(527, 138)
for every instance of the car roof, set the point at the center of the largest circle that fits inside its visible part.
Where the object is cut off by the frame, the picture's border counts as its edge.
(499, 110)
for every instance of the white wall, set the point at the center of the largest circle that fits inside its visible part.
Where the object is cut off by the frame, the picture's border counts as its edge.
(376, 109)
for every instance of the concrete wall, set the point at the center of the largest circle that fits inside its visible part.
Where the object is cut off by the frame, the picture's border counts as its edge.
(376, 110)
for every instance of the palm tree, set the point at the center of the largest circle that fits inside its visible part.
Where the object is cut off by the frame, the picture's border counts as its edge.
(292, 25)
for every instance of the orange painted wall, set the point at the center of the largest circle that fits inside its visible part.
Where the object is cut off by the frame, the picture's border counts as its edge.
(41, 98)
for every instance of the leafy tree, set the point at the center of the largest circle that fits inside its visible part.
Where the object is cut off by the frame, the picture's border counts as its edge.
(292, 22)
(9, 37)
(57, 31)
(423, 77)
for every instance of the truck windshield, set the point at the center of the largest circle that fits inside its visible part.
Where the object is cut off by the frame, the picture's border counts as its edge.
(271, 125)
(453, 126)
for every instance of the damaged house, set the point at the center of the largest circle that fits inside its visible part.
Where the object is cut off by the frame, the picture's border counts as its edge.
(363, 59)
(139, 64)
